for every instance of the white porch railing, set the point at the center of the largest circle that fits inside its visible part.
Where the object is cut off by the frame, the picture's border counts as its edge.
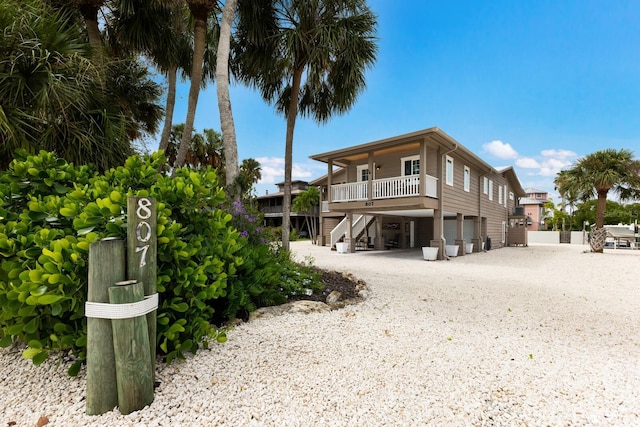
(404, 186)
(349, 191)
(387, 188)
(432, 186)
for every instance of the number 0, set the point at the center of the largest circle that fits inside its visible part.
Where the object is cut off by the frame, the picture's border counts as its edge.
(143, 227)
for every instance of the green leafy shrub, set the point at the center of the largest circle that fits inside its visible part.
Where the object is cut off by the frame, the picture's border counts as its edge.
(267, 275)
(50, 213)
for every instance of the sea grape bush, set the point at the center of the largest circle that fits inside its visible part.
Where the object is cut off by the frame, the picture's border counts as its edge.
(50, 213)
(267, 274)
(215, 260)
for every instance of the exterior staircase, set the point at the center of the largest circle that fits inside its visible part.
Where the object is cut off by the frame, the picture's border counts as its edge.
(360, 224)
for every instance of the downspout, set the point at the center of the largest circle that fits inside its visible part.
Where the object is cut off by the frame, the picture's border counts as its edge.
(441, 199)
(480, 192)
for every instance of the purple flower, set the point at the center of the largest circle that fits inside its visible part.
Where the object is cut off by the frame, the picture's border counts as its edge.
(238, 208)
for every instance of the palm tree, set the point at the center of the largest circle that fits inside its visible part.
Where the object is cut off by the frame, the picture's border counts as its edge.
(307, 57)
(156, 29)
(53, 98)
(248, 174)
(200, 10)
(89, 10)
(306, 202)
(137, 96)
(595, 175)
(204, 149)
(224, 101)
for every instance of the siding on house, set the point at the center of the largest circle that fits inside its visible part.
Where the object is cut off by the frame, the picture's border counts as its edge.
(454, 198)
(451, 213)
(493, 209)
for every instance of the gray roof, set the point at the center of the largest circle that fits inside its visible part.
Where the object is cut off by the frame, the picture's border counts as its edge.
(531, 201)
(532, 190)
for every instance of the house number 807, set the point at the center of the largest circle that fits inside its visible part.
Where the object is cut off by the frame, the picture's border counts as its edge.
(143, 230)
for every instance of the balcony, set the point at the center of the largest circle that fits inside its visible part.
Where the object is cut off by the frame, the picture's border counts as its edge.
(387, 188)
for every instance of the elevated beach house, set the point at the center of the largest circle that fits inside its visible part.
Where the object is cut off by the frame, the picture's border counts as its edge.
(422, 189)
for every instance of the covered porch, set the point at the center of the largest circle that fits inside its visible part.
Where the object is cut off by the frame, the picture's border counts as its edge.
(409, 166)
(452, 233)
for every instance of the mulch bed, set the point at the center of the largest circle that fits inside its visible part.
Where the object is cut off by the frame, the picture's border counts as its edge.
(346, 284)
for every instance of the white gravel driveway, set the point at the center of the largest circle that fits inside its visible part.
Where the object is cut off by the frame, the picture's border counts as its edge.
(536, 336)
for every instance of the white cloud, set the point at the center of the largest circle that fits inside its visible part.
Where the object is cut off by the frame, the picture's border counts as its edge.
(527, 163)
(273, 170)
(500, 150)
(551, 167)
(545, 167)
(559, 154)
(300, 172)
(535, 169)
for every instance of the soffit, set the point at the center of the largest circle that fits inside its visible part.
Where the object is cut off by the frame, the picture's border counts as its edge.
(434, 137)
(391, 150)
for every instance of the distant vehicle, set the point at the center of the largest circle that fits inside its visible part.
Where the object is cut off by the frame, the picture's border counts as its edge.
(303, 234)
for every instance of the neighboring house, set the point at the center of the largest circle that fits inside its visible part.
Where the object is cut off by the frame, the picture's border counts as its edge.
(414, 190)
(533, 204)
(271, 207)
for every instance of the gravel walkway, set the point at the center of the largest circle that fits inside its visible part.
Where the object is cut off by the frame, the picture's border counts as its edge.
(535, 336)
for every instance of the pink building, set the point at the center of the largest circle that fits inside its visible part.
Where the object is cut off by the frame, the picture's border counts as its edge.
(534, 208)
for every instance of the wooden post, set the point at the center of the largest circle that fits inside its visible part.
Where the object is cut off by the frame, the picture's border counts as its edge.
(132, 357)
(142, 264)
(106, 267)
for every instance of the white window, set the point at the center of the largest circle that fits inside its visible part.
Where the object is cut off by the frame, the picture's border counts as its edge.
(449, 171)
(490, 189)
(499, 194)
(363, 173)
(410, 165)
(485, 185)
(510, 195)
(467, 179)
(505, 196)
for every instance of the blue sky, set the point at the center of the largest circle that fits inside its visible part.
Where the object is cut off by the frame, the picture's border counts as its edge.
(530, 83)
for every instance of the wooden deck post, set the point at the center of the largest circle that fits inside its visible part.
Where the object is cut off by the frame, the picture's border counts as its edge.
(132, 355)
(142, 264)
(106, 267)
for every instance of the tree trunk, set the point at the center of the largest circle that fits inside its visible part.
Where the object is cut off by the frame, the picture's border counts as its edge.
(89, 11)
(601, 207)
(171, 102)
(224, 101)
(288, 156)
(597, 239)
(314, 232)
(599, 234)
(308, 224)
(199, 34)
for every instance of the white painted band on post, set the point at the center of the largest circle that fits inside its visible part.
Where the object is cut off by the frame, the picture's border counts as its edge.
(100, 310)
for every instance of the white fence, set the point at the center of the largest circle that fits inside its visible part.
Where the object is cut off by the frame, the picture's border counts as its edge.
(577, 237)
